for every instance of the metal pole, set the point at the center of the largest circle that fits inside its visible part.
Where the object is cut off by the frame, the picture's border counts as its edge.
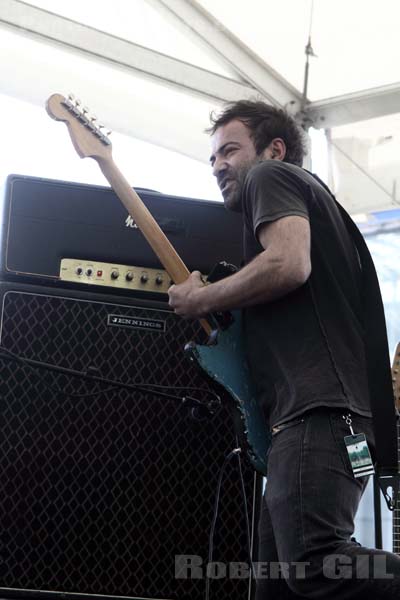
(377, 514)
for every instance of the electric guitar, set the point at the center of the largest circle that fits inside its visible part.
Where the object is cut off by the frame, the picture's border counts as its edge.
(396, 392)
(222, 358)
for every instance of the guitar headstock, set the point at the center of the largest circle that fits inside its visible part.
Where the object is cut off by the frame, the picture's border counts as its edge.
(86, 133)
(396, 376)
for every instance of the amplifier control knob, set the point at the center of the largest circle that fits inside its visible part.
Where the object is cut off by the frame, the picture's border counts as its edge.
(159, 280)
(129, 276)
(79, 270)
(144, 278)
(114, 274)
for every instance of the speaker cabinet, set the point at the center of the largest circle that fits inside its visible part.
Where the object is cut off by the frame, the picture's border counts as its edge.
(102, 485)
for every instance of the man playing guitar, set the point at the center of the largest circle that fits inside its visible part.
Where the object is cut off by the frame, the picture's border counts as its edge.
(300, 293)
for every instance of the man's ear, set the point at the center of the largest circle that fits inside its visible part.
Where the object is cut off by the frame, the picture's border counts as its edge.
(275, 150)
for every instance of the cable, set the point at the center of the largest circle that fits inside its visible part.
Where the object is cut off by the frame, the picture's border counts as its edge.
(246, 515)
(34, 365)
(234, 452)
(211, 406)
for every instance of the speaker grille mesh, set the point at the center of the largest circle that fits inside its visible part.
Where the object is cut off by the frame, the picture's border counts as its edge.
(103, 486)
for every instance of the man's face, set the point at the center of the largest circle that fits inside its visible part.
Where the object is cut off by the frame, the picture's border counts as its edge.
(233, 155)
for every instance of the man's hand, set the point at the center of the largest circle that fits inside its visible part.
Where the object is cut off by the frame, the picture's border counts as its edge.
(186, 298)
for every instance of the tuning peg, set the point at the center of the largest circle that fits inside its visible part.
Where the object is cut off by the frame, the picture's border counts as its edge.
(92, 121)
(78, 105)
(100, 126)
(71, 97)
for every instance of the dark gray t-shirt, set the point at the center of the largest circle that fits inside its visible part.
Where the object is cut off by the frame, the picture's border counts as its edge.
(306, 349)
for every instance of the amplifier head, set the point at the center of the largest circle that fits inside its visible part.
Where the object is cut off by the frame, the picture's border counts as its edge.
(47, 220)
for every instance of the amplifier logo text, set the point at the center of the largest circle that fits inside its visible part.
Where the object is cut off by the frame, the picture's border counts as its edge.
(136, 323)
(129, 222)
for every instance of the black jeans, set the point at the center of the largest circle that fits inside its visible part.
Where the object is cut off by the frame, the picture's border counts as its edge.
(311, 498)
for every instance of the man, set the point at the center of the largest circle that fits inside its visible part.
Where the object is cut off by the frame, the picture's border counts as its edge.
(301, 295)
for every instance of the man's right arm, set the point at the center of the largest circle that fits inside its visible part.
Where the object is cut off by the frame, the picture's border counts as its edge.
(282, 266)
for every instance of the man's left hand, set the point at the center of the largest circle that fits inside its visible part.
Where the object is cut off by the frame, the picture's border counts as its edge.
(185, 298)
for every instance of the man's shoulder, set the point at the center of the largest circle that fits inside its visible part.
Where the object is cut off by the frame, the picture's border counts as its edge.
(271, 169)
(277, 177)
(276, 173)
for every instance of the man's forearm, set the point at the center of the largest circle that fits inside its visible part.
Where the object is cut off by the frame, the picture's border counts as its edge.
(264, 279)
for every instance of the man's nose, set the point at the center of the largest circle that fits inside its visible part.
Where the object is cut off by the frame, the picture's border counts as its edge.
(219, 166)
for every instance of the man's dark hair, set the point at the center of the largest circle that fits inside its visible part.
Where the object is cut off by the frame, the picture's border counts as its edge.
(265, 123)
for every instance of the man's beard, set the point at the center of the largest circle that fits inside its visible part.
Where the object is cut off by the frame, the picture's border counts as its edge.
(236, 177)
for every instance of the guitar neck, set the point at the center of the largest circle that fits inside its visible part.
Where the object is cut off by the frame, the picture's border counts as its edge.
(156, 238)
(396, 390)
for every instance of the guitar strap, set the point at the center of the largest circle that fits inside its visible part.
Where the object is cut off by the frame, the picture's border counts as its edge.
(378, 366)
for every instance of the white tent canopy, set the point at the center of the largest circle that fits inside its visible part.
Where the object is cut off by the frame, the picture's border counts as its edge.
(154, 69)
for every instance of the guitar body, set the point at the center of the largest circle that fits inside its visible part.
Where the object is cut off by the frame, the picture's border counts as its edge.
(225, 363)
